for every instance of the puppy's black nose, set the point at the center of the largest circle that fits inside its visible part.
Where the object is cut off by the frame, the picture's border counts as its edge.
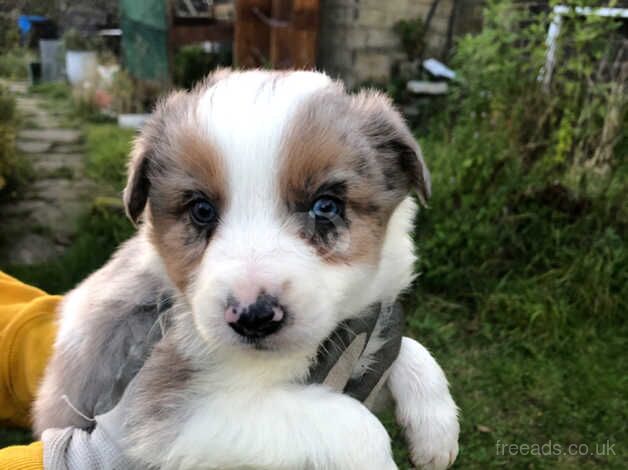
(257, 320)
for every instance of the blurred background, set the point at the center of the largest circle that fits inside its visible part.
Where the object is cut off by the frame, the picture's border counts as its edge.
(521, 111)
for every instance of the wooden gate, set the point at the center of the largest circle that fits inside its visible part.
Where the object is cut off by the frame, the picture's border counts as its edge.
(279, 34)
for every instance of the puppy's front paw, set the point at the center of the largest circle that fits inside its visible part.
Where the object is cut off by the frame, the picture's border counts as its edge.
(433, 439)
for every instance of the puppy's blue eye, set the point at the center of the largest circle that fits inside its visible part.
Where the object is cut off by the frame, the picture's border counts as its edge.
(203, 212)
(326, 208)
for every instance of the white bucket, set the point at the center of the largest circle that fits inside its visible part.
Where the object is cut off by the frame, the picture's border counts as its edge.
(80, 66)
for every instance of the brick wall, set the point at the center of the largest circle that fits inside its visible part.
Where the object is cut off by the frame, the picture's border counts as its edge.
(357, 42)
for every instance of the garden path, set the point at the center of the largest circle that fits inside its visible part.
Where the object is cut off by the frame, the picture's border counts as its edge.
(41, 222)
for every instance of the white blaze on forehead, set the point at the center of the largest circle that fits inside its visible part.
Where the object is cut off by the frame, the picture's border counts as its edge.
(246, 115)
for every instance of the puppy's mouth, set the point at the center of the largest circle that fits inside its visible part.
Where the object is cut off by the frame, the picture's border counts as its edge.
(259, 341)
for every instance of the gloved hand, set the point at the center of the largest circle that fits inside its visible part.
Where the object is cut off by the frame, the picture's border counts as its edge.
(100, 449)
(77, 449)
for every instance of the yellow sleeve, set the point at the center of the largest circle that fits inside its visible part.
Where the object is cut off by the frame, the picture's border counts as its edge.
(30, 457)
(27, 333)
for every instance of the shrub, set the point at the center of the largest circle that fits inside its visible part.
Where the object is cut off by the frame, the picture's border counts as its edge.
(14, 63)
(193, 63)
(75, 40)
(12, 169)
(527, 230)
(412, 36)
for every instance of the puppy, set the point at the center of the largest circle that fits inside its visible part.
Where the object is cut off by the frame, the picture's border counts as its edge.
(273, 206)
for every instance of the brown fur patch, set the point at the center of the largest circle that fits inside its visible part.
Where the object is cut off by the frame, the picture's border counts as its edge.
(195, 167)
(174, 161)
(326, 144)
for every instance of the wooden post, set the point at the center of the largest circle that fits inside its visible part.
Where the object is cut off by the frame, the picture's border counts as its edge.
(252, 36)
(276, 33)
(305, 23)
(281, 34)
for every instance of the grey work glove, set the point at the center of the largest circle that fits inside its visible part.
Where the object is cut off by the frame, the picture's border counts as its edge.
(335, 366)
(100, 449)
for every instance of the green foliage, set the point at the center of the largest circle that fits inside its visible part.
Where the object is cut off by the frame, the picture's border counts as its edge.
(192, 63)
(14, 63)
(74, 40)
(9, 33)
(412, 36)
(13, 59)
(13, 169)
(56, 91)
(125, 94)
(108, 148)
(522, 231)
(523, 290)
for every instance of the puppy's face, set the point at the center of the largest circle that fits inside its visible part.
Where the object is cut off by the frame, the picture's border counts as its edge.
(268, 196)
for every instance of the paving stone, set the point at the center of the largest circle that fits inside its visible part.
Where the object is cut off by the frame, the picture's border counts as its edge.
(33, 146)
(69, 148)
(61, 136)
(52, 161)
(18, 87)
(54, 189)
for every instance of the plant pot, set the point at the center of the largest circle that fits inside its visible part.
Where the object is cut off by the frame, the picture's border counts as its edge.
(80, 66)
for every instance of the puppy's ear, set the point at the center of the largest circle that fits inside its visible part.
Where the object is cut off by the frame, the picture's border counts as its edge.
(398, 150)
(137, 186)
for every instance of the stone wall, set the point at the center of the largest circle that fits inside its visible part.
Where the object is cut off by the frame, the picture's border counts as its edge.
(357, 42)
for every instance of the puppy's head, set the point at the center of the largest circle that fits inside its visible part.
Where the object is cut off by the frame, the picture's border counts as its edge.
(268, 195)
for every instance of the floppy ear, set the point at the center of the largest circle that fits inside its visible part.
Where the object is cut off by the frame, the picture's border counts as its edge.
(399, 151)
(136, 190)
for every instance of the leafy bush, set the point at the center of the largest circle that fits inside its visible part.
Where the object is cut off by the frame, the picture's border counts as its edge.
(75, 40)
(14, 63)
(193, 63)
(527, 228)
(412, 36)
(12, 169)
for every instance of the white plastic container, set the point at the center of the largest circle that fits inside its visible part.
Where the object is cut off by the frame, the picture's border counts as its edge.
(80, 66)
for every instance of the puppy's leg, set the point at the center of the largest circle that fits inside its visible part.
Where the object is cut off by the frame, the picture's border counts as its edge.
(295, 428)
(182, 417)
(424, 407)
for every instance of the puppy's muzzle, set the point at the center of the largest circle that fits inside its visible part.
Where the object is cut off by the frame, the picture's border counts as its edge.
(263, 317)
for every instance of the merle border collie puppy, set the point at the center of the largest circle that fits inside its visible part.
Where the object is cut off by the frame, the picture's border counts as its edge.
(272, 206)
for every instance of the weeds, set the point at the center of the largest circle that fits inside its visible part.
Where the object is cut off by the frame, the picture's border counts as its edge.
(108, 149)
(524, 262)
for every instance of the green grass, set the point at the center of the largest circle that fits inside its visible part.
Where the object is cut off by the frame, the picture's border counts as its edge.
(108, 148)
(518, 390)
(55, 92)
